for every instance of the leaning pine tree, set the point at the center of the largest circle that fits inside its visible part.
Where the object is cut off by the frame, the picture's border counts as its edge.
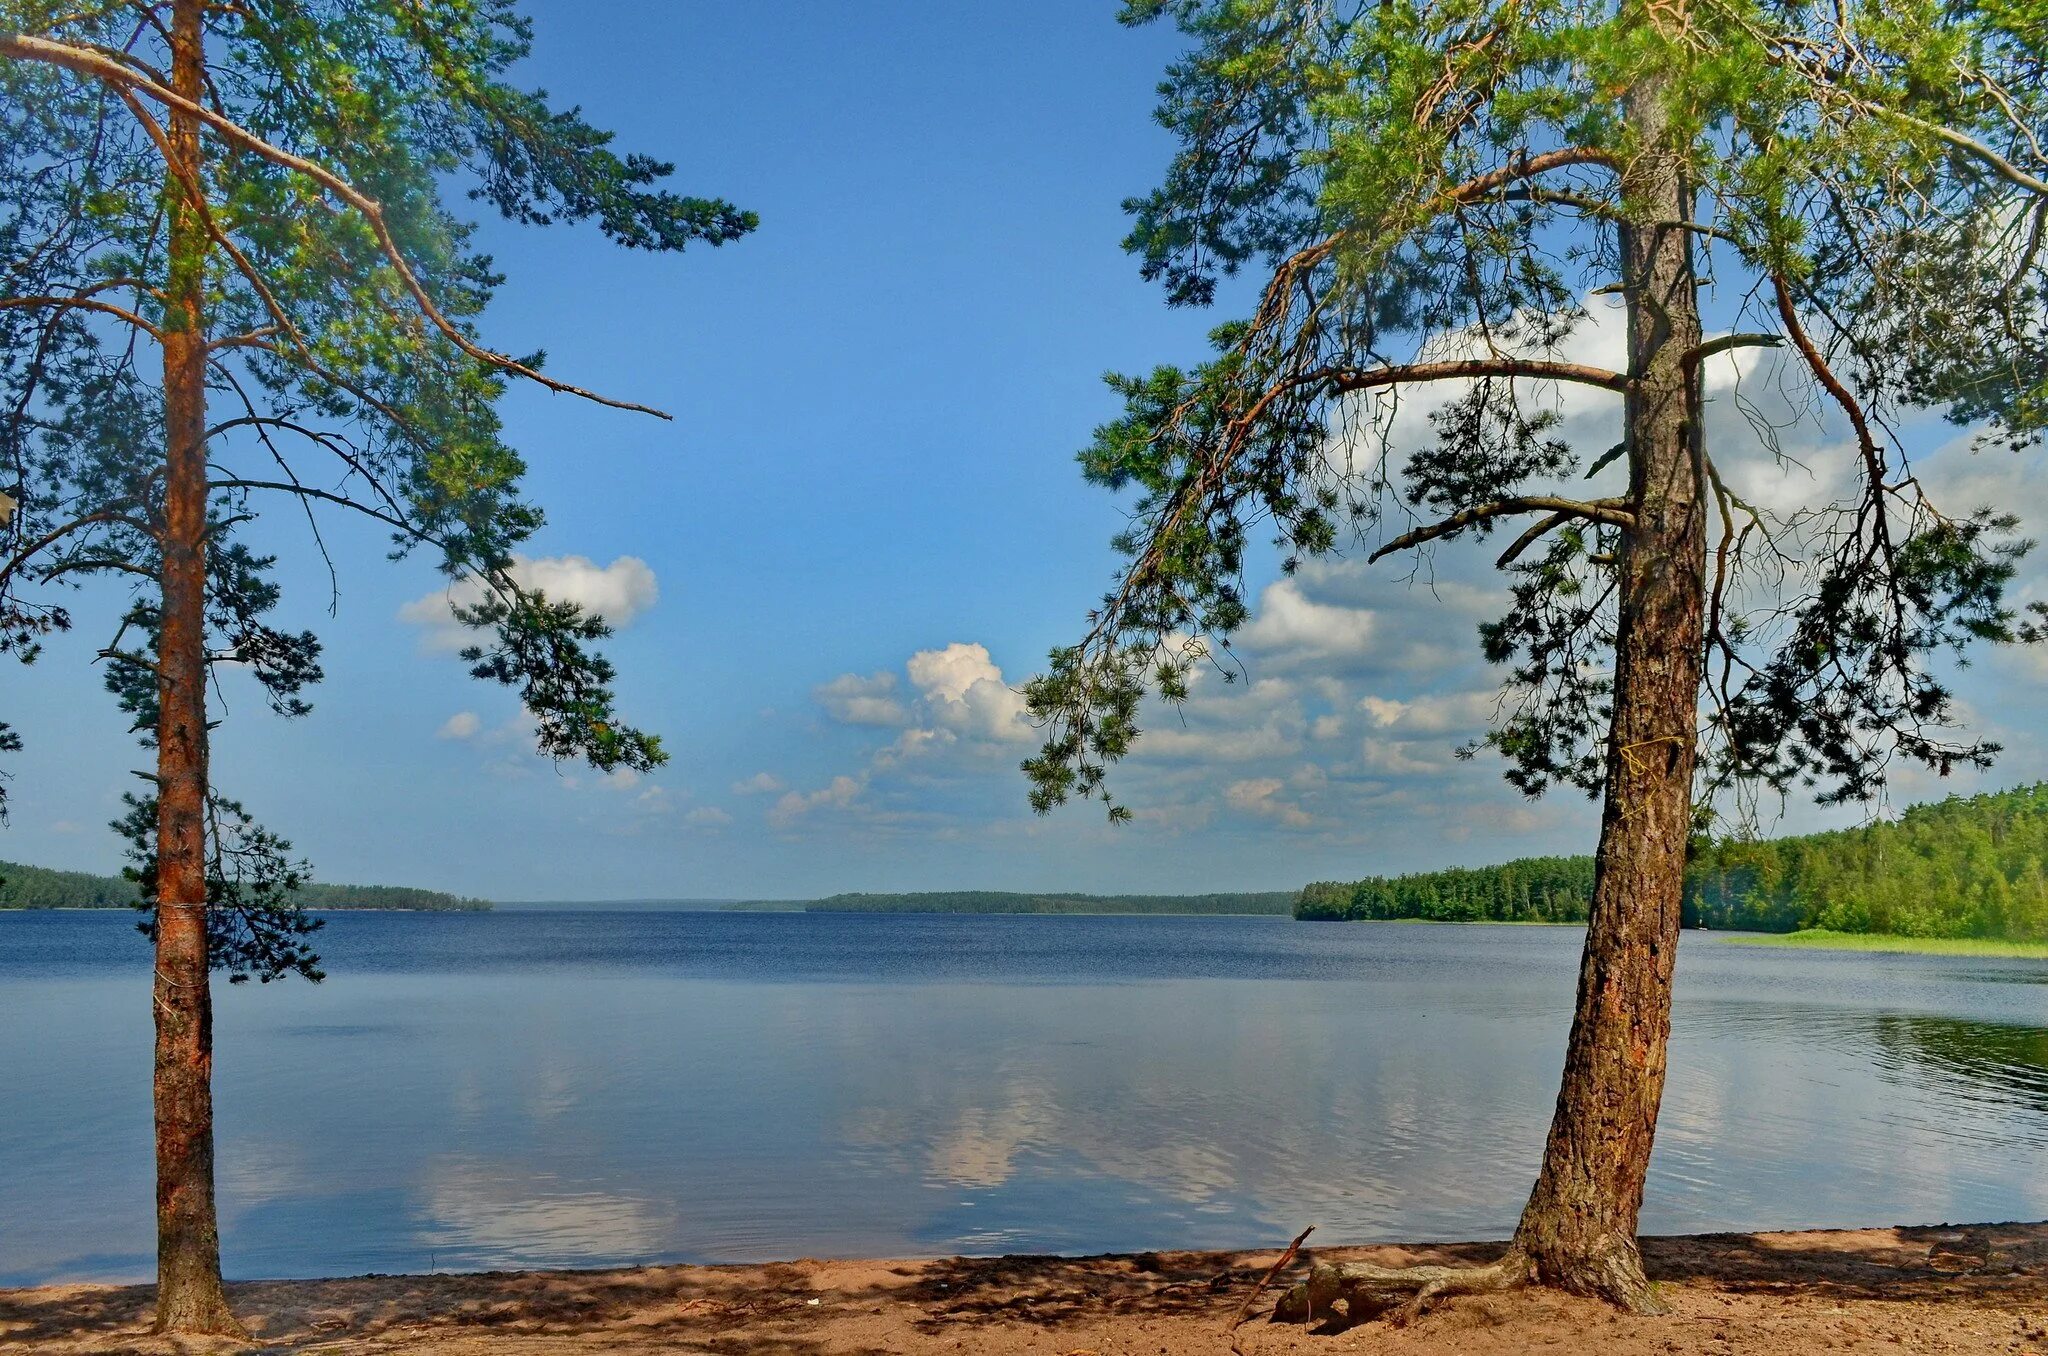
(228, 280)
(1443, 192)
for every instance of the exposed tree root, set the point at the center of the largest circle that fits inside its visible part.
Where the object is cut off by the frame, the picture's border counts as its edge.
(1352, 1292)
(1399, 1294)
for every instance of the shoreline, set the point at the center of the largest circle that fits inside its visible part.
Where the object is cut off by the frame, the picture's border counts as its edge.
(1891, 944)
(1948, 1288)
(310, 908)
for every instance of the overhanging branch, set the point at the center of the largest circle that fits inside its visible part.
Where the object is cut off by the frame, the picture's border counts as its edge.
(1611, 511)
(325, 497)
(1529, 538)
(1528, 167)
(1475, 369)
(127, 80)
(1695, 356)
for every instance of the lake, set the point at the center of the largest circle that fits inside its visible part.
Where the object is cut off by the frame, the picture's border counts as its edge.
(574, 1089)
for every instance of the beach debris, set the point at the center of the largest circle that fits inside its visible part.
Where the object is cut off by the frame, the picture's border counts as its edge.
(1237, 1319)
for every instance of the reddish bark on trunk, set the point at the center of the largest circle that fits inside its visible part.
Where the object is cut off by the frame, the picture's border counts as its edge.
(190, 1296)
(1578, 1231)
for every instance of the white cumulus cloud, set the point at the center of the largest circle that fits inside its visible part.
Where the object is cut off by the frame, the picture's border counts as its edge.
(964, 691)
(1289, 621)
(1431, 713)
(461, 725)
(619, 592)
(837, 794)
(1260, 797)
(853, 700)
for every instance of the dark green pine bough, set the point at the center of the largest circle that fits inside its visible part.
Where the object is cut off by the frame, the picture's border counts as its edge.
(228, 282)
(1438, 193)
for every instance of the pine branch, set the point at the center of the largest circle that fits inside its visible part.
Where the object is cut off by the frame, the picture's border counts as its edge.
(124, 79)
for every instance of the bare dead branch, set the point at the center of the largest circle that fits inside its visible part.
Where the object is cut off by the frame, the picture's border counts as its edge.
(1611, 511)
(1726, 342)
(1473, 368)
(1237, 1319)
(1530, 537)
(83, 303)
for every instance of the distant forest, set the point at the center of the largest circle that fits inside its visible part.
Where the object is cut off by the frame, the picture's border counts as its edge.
(997, 901)
(1527, 890)
(35, 887)
(1962, 867)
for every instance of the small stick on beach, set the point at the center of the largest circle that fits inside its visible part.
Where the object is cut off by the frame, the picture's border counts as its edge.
(1238, 1318)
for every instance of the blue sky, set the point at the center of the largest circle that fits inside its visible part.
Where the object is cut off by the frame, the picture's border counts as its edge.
(863, 527)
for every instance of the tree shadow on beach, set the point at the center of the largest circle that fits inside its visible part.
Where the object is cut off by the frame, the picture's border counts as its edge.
(754, 1311)
(35, 1320)
(807, 1309)
(1053, 1291)
(1993, 1264)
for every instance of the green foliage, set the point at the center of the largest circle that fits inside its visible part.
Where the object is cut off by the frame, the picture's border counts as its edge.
(335, 373)
(10, 742)
(1961, 867)
(998, 901)
(1964, 867)
(342, 297)
(1527, 890)
(38, 887)
(1820, 939)
(255, 924)
(1430, 184)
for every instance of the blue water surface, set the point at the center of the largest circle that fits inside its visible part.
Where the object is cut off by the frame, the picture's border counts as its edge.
(513, 1089)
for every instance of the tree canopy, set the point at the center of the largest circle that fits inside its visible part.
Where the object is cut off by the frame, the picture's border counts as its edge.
(231, 281)
(1435, 190)
(341, 299)
(1442, 196)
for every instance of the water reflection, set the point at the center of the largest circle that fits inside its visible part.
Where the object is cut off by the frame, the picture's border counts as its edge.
(616, 1089)
(482, 1215)
(2004, 1068)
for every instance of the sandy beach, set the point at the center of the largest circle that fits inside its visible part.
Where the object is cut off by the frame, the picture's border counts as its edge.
(1976, 1288)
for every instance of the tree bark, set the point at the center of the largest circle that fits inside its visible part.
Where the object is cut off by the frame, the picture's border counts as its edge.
(190, 1296)
(1578, 1231)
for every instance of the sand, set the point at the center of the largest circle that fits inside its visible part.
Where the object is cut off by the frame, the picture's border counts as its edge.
(1977, 1288)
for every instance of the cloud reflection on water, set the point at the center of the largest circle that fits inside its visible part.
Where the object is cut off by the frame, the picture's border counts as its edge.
(725, 1088)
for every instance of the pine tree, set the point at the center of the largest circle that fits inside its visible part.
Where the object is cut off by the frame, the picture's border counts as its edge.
(1436, 193)
(230, 282)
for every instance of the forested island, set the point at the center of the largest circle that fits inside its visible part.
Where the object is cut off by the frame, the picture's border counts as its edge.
(1964, 867)
(1001, 901)
(36, 887)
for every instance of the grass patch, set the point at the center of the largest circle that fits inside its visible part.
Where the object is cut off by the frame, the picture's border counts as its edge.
(1821, 939)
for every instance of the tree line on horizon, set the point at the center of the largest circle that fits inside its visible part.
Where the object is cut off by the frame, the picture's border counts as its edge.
(230, 278)
(41, 887)
(1012, 901)
(1966, 866)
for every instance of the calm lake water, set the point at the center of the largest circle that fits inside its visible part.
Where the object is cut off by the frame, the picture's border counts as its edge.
(582, 1089)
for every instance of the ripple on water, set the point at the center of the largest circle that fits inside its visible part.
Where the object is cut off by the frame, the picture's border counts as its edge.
(581, 1089)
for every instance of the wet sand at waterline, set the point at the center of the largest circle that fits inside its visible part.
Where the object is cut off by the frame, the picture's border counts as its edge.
(1979, 1288)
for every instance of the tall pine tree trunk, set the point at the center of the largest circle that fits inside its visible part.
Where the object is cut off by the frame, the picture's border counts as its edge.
(190, 1298)
(1578, 1230)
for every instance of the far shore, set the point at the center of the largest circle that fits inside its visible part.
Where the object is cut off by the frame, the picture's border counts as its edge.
(1820, 939)
(318, 909)
(1960, 1288)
